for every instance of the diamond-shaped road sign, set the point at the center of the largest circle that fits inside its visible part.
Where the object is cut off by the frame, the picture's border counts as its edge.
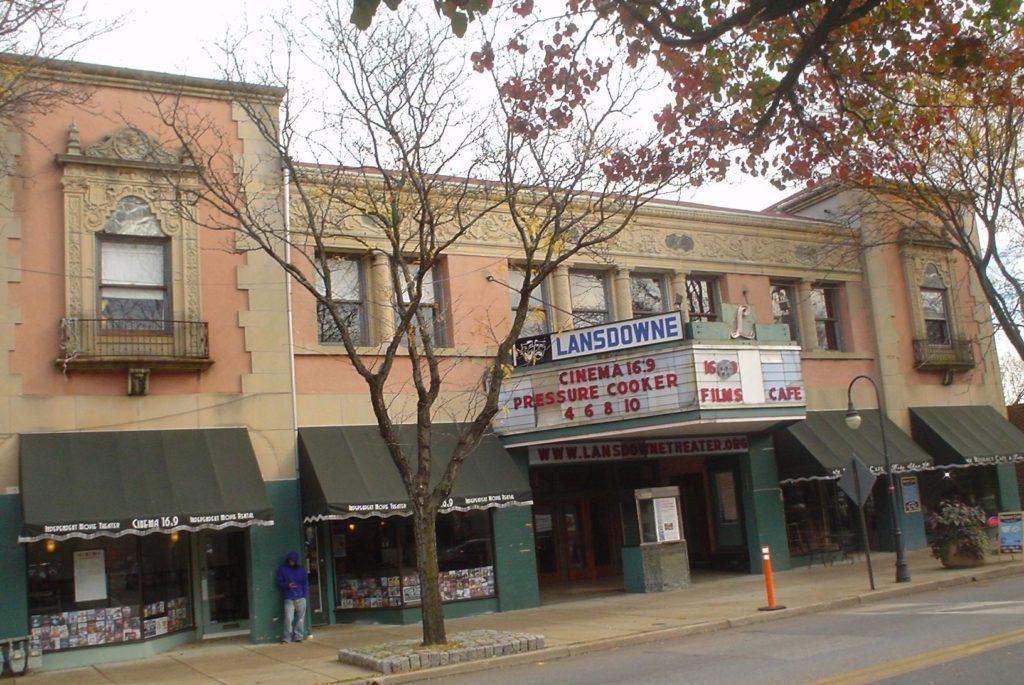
(857, 481)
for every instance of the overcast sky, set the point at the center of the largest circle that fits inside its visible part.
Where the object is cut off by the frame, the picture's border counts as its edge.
(181, 37)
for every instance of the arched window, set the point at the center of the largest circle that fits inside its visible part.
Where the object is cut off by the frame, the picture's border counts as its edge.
(133, 293)
(934, 306)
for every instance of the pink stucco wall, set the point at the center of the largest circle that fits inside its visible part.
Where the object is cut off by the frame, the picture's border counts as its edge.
(40, 293)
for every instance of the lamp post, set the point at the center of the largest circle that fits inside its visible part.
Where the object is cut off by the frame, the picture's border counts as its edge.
(853, 421)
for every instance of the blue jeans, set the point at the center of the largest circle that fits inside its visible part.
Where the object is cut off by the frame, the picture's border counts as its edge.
(294, 620)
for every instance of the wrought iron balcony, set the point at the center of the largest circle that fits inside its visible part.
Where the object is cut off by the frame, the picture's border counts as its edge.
(123, 343)
(958, 354)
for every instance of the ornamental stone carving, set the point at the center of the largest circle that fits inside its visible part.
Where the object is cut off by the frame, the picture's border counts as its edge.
(129, 144)
(127, 164)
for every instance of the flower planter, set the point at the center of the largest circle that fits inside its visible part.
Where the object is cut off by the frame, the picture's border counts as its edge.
(952, 558)
(959, 538)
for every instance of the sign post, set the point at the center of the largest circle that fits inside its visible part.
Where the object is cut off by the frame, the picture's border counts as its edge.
(857, 481)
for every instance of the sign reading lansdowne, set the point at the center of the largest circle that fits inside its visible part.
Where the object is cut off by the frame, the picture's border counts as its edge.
(622, 335)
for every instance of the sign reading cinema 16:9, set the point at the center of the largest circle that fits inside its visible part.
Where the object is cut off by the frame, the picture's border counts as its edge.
(638, 383)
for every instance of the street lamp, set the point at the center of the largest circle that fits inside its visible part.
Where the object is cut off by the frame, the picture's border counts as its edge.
(853, 421)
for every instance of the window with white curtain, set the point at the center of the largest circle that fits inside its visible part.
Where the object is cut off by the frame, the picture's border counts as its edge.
(133, 290)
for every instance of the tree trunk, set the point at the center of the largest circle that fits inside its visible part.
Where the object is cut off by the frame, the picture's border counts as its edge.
(425, 527)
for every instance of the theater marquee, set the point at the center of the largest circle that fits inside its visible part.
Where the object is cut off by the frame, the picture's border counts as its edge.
(640, 383)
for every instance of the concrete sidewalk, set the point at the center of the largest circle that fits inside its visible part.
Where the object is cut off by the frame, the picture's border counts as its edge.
(570, 628)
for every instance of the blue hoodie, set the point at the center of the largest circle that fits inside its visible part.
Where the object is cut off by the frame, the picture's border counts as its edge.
(287, 575)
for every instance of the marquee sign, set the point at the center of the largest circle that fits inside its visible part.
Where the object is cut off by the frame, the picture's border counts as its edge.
(634, 385)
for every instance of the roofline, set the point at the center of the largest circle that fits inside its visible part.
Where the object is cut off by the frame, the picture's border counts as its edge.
(139, 79)
(806, 197)
(664, 206)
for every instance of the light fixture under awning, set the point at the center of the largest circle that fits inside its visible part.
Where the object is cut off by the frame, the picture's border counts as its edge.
(347, 471)
(108, 484)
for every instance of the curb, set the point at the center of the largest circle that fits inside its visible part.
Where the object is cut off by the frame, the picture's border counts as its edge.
(661, 634)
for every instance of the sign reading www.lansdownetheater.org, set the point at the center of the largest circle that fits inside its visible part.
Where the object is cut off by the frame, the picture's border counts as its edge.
(611, 337)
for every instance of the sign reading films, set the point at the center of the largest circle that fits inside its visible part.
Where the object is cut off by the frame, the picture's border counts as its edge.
(634, 385)
(646, 449)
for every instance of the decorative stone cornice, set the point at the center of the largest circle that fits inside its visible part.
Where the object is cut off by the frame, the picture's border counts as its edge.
(127, 147)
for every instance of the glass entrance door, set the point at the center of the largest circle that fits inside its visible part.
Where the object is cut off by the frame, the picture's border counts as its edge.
(574, 550)
(223, 582)
(576, 538)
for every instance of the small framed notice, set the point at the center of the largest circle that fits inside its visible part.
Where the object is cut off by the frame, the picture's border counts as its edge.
(90, 575)
(666, 516)
(911, 496)
(725, 484)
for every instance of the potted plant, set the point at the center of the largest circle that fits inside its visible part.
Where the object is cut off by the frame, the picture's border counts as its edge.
(959, 538)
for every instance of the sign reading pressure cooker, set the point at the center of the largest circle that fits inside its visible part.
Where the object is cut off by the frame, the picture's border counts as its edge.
(638, 384)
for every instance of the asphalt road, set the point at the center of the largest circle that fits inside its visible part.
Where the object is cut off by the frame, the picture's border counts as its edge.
(971, 634)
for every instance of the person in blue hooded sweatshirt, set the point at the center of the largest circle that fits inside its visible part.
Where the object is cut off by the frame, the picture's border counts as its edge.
(291, 578)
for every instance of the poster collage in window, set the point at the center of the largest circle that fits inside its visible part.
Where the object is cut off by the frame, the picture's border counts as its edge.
(404, 591)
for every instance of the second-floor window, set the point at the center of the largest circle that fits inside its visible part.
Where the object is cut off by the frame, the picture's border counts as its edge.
(784, 309)
(648, 293)
(589, 292)
(133, 292)
(536, 321)
(825, 304)
(430, 313)
(347, 298)
(702, 298)
(934, 307)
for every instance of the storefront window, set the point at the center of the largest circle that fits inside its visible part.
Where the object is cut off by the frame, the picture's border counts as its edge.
(819, 517)
(976, 486)
(107, 590)
(375, 560)
(165, 584)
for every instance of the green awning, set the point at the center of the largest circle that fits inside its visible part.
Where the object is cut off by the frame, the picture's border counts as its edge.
(967, 436)
(89, 485)
(346, 471)
(821, 445)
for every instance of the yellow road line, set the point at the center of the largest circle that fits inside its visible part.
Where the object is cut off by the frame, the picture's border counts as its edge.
(910, 663)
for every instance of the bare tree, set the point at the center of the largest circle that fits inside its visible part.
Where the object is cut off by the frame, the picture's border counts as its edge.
(407, 168)
(955, 178)
(1012, 368)
(33, 35)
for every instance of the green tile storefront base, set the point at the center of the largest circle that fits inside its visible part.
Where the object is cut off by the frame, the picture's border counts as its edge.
(401, 617)
(633, 569)
(76, 658)
(1009, 495)
(268, 546)
(515, 561)
(14, 606)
